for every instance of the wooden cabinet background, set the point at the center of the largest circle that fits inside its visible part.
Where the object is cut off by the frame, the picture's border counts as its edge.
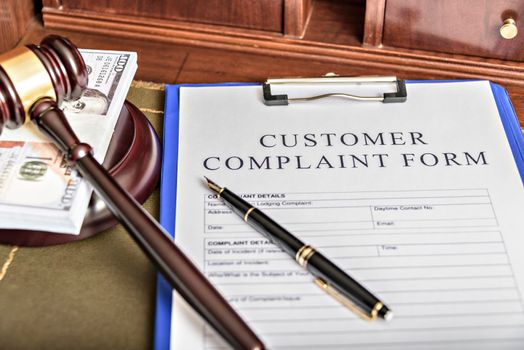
(279, 16)
(436, 39)
(262, 14)
(469, 27)
(445, 39)
(15, 16)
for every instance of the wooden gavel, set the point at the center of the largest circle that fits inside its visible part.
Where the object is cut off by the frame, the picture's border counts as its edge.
(34, 80)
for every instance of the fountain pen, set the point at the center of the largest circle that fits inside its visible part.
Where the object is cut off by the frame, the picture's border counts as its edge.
(328, 276)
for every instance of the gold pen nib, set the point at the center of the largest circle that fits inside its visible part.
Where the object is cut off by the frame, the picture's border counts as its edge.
(213, 186)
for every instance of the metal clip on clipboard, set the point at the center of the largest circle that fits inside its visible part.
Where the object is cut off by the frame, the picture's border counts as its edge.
(400, 95)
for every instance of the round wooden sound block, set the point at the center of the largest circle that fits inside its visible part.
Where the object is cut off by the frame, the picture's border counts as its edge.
(133, 159)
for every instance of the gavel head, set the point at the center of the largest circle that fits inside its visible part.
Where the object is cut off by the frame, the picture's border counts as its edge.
(53, 69)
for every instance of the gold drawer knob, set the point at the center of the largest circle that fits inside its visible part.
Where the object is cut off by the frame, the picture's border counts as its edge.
(509, 29)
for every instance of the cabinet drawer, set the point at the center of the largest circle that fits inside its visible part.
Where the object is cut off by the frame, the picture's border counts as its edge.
(470, 27)
(266, 15)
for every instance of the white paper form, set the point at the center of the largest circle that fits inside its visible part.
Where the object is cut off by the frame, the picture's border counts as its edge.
(420, 201)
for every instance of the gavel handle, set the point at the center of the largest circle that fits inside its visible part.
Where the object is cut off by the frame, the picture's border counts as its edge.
(179, 271)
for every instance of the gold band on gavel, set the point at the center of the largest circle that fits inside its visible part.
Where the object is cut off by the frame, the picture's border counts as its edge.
(28, 76)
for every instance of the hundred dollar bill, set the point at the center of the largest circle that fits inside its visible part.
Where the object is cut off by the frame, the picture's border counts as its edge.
(26, 166)
(38, 189)
(105, 71)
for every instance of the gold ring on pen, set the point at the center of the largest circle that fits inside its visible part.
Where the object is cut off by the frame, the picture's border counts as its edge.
(374, 313)
(304, 254)
(248, 212)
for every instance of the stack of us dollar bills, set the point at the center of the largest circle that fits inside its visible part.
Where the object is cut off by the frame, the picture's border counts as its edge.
(38, 188)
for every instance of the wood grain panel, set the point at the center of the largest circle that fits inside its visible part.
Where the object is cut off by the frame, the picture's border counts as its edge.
(336, 22)
(254, 14)
(52, 3)
(374, 23)
(245, 67)
(15, 16)
(468, 27)
(296, 15)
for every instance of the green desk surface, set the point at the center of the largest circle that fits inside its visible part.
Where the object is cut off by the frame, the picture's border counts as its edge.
(98, 293)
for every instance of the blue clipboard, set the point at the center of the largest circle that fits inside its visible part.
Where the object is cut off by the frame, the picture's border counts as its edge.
(168, 181)
(168, 189)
